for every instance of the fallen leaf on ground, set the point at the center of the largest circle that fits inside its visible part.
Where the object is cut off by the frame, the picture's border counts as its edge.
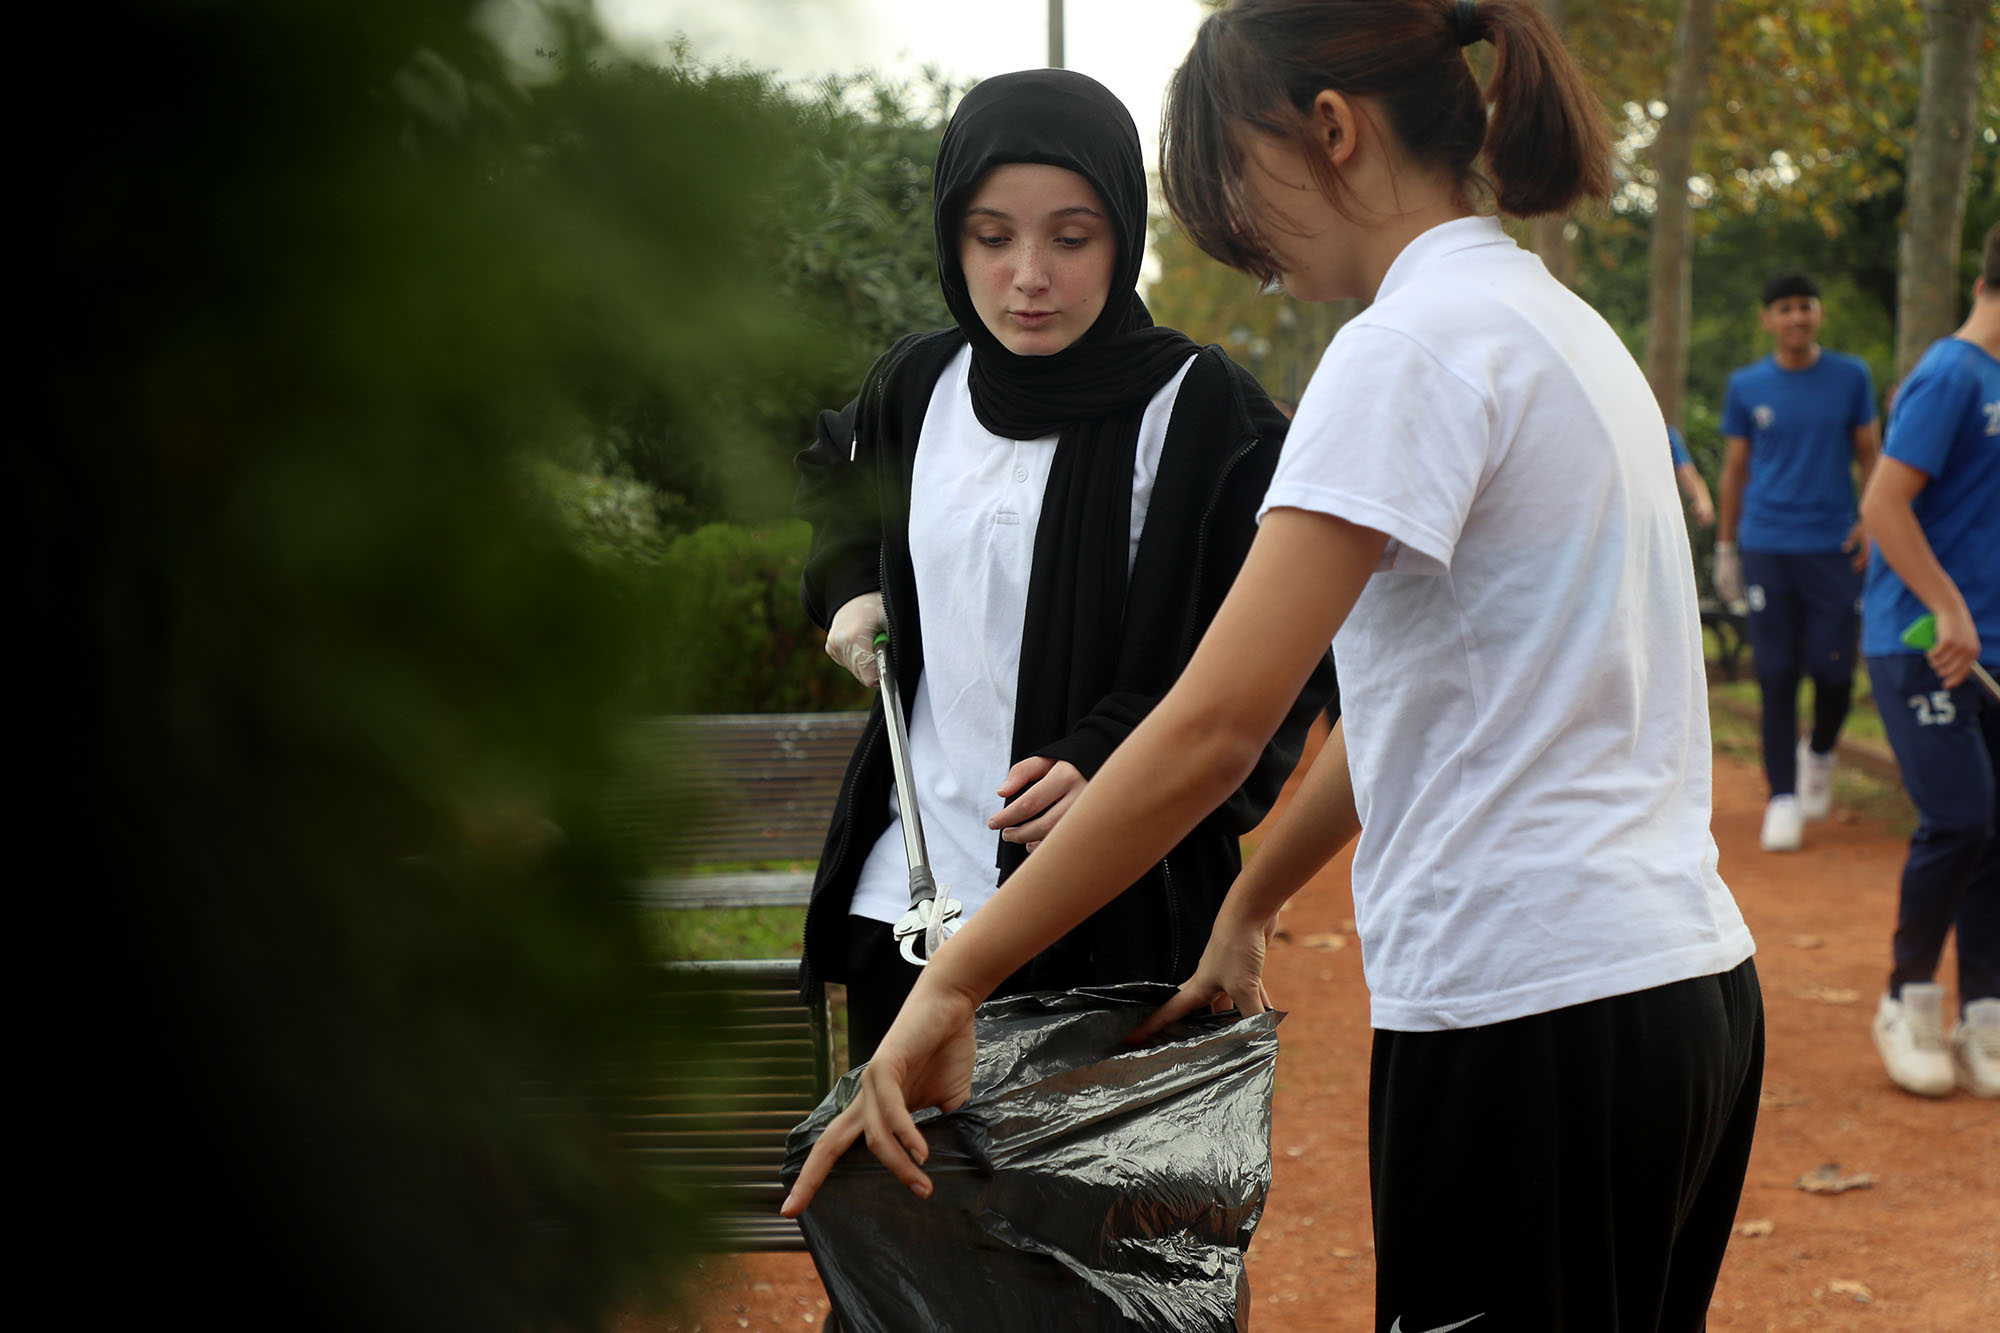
(1828, 1180)
(1329, 941)
(1840, 1286)
(1830, 994)
(1756, 1226)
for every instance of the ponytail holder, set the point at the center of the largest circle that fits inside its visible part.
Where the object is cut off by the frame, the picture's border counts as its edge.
(1465, 22)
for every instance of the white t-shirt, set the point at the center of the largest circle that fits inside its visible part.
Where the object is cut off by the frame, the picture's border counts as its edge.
(1522, 678)
(975, 501)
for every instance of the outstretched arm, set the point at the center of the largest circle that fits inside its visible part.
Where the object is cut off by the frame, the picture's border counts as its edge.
(1727, 571)
(1867, 449)
(1303, 574)
(1316, 825)
(1892, 522)
(1696, 491)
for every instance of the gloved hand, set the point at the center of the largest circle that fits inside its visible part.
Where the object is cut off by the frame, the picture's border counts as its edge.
(1728, 573)
(850, 640)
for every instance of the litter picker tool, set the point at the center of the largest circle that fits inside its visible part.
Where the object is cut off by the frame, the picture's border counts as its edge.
(934, 914)
(1921, 634)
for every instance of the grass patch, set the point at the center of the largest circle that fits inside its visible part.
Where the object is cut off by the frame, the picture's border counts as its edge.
(727, 932)
(1863, 721)
(1865, 796)
(744, 932)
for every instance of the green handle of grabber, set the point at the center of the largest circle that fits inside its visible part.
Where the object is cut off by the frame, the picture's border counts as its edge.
(1921, 634)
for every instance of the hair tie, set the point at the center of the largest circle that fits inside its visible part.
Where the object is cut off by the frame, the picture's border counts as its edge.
(1465, 22)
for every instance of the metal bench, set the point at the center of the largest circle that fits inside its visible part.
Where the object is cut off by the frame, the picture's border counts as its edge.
(739, 787)
(718, 1117)
(730, 789)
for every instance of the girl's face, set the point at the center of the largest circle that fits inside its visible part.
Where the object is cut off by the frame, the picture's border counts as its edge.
(1038, 252)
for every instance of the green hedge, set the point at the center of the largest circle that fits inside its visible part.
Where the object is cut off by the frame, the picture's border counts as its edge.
(740, 641)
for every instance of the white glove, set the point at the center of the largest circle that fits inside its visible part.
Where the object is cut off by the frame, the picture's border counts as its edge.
(1728, 573)
(850, 640)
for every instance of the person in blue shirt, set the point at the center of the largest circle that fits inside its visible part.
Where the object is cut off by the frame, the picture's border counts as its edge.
(1789, 543)
(1933, 509)
(1700, 503)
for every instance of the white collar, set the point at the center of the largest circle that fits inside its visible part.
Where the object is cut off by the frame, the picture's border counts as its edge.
(1447, 238)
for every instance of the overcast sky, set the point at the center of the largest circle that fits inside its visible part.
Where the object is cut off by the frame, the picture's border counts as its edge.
(1130, 46)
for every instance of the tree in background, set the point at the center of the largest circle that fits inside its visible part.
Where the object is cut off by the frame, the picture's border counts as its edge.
(1670, 303)
(697, 526)
(323, 693)
(1792, 150)
(842, 231)
(1928, 290)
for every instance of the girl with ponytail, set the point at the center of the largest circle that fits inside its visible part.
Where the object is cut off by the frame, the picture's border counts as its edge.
(1472, 506)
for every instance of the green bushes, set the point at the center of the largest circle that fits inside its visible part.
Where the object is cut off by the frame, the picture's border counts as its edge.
(739, 643)
(717, 607)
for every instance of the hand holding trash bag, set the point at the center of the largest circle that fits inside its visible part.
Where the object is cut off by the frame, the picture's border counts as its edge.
(928, 1055)
(1230, 974)
(925, 1060)
(1176, 767)
(1086, 1182)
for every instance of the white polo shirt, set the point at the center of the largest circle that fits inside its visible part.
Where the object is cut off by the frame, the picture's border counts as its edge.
(975, 502)
(1522, 678)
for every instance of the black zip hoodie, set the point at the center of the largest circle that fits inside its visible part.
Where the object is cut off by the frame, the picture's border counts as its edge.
(1221, 446)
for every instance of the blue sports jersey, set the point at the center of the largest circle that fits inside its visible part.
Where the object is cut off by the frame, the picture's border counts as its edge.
(1800, 424)
(1679, 447)
(1947, 427)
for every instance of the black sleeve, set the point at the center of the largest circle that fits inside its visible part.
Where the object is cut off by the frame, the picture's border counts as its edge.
(1200, 524)
(837, 496)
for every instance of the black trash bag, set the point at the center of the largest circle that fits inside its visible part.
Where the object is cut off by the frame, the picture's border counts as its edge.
(1085, 1185)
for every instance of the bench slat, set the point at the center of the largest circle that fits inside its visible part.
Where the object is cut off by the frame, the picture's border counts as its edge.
(719, 1121)
(773, 888)
(736, 787)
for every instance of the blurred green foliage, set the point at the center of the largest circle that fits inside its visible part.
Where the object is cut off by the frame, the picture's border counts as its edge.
(734, 638)
(842, 232)
(698, 529)
(325, 295)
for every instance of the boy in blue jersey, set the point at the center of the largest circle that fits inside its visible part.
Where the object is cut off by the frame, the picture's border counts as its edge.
(1933, 508)
(1796, 425)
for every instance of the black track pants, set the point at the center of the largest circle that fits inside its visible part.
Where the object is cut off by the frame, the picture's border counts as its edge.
(1576, 1170)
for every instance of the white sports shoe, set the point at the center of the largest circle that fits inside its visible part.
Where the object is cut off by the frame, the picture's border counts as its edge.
(1910, 1035)
(1975, 1049)
(1784, 826)
(1815, 782)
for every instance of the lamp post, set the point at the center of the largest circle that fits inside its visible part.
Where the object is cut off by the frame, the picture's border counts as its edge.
(1055, 34)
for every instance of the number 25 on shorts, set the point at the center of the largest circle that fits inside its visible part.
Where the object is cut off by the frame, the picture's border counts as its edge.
(1934, 709)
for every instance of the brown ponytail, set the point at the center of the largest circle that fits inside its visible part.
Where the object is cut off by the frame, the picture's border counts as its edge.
(1258, 64)
(1546, 147)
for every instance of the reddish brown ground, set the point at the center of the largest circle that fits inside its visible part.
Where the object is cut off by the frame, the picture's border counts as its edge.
(1918, 1252)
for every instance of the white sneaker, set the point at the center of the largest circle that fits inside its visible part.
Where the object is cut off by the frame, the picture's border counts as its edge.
(1784, 826)
(1815, 782)
(1910, 1036)
(1975, 1049)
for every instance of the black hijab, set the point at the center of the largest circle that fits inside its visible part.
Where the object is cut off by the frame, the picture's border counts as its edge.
(1058, 118)
(1091, 395)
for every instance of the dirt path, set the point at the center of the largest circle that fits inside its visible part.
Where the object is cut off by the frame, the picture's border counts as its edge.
(1918, 1251)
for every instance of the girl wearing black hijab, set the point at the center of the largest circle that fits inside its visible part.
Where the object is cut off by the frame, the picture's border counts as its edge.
(1044, 506)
